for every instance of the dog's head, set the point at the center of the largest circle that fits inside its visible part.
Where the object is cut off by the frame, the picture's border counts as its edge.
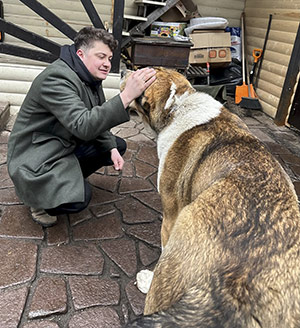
(159, 101)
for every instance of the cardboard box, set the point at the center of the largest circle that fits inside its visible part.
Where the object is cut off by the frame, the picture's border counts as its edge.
(210, 48)
(210, 55)
(162, 29)
(210, 40)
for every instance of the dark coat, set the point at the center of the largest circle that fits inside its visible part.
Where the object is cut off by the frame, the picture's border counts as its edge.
(58, 110)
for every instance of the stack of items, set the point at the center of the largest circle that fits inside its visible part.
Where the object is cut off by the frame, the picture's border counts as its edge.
(211, 44)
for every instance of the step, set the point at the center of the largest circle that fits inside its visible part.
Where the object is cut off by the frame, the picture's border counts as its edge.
(149, 2)
(137, 18)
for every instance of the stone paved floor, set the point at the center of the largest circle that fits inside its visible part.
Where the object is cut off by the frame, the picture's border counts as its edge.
(81, 272)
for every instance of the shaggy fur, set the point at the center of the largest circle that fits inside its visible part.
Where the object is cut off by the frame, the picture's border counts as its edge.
(231, 221)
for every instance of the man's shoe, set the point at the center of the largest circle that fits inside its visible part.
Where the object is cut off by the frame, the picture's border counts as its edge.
(41, 217)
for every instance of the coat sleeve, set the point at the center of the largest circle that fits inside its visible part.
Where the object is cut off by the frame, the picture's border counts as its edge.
(66, 97)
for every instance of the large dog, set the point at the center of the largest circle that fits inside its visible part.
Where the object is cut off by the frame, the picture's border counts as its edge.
(231, 222)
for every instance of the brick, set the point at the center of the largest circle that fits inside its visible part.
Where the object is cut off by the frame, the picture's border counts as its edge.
(148, 255)
(17, 222)
(103, 197)
(95, 318)
(18, 262)
(106, 227)
(92, 291)
(148, 155)
(150, 233)
(134, 211)
(12, 303)
(50, 297)
(129, 185)
(136, 298)
(144, 170)
(151, 199)
(69, 259)
(105, 182)
(123, 253)
(5, 180)
(59, 233)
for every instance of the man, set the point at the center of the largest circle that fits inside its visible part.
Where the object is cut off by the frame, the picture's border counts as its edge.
(61, 134)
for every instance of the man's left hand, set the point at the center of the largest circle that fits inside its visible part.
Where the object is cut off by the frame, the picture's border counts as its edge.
(117, 159)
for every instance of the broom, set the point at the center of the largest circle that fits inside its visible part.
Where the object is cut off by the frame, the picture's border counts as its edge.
(244, 94)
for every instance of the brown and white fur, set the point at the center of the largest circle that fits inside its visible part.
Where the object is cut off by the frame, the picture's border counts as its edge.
(231, 223)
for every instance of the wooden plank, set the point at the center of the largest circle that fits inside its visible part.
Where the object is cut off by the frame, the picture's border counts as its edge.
(29, 37)
(92, 13)
(149, 2)
(51, 18)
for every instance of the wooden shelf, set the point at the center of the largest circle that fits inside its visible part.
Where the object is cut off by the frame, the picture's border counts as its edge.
(150, 2)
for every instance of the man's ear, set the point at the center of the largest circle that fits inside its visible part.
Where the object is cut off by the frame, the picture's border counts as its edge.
(80, 53)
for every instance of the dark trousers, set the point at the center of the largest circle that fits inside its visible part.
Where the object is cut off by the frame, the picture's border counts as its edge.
(91, 158)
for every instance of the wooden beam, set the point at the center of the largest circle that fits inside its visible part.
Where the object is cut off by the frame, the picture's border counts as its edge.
(289, 83)
(29, 37)
(50, 17)
(140, 28)
(42, 56)
(117, 32)
(92, 13)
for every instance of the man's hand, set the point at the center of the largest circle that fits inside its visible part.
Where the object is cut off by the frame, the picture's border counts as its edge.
(117, 159)
(136, 84)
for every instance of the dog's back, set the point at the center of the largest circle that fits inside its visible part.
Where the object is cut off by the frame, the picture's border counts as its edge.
(232, 234)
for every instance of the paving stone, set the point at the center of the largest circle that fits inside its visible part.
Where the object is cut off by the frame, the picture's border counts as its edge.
(116, 249)
(276, 148)
(102, 210)
(41, 324)
(135, 212)
(250, 121)
(150, 232)
(132, 146)
(69, 259)
(291, 159)
(9, 197)
(153, 180)
(92, 291)
(105, 182)
(128, 170)
(18, 262)
(129, 132)
(297, 189)
(143, 170)
(141, 138)
(59, 233)
(103, 197)
(4, 135)
(151, 199)
(50, 297)
(3, 153)
(134, 185)
(111, 171)
(17, 222)
(262, 136)
(106, 227)
(148, 255)
(5, 180)
(95, 318)
(12, 303)
(296, 170)
(148, 155)
(129, 124)
(81, 216)
(128, 155)
(135, 297)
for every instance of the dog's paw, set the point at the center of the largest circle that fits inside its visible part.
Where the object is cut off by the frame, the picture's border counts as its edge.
(143, 280)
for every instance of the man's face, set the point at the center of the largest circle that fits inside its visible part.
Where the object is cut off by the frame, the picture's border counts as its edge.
(97, 59)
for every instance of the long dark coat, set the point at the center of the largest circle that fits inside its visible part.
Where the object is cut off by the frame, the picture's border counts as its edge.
(58, 110)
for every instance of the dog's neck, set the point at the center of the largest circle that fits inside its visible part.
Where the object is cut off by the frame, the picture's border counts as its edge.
(188, 111)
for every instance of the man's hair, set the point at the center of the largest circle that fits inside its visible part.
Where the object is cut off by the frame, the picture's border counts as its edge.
(88, 35)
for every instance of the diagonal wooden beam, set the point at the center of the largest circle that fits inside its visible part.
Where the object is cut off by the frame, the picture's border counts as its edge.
(50, 17)
(139, 28)
(18, 51)
(92, 13)
(29, 37)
